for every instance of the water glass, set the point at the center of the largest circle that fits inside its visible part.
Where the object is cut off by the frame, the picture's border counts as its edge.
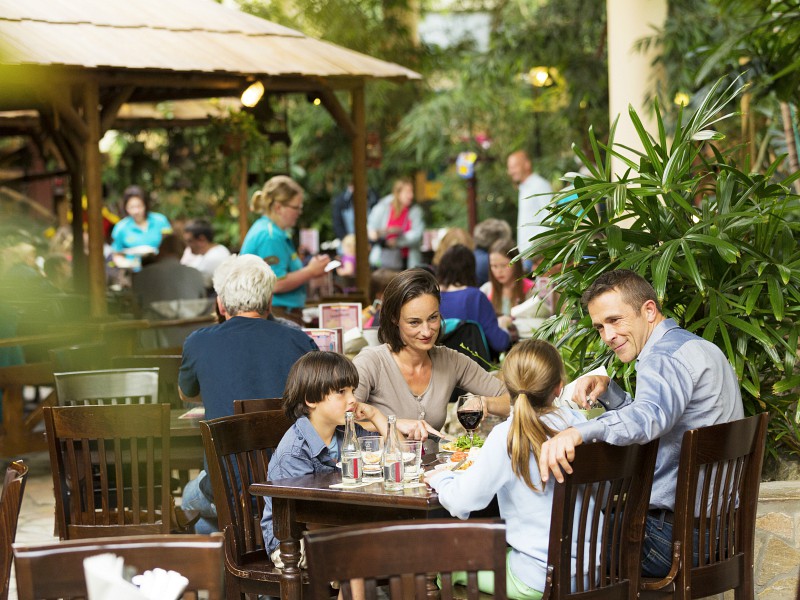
(412, 459)
(371, 450)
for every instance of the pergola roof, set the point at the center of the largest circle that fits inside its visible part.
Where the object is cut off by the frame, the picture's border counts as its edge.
(77, 62)
(190, 36)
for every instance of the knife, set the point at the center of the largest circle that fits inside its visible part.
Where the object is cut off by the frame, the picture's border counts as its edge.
(461, 462)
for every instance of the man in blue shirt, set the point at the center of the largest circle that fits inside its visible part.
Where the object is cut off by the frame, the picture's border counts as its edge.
(246, 356)
(682, 382)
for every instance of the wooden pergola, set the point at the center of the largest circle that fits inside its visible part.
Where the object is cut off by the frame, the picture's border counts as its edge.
(77, 63)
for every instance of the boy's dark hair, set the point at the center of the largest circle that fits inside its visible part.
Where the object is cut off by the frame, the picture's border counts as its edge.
(313, 377)
(457, 267)
(200, 228)
(634, 289)
(406, 286)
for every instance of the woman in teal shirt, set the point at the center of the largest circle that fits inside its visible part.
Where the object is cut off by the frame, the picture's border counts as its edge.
(280, 203)
(141, 229)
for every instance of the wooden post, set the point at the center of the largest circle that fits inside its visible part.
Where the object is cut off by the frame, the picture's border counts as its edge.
(359, 148)
(244, 224)
(472, 202)
(94, 195)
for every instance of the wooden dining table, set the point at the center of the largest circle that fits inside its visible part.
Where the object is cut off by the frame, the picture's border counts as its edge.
(310, 500)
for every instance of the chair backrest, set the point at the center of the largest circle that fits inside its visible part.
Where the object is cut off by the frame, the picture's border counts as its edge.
(110, 386)
(110, 469)
(404, 552)
(10, 503)
(238, 449)
(242, 407)
(600, 510)
(469, 334)
(56, 570)
(168, 370)
(717, 495)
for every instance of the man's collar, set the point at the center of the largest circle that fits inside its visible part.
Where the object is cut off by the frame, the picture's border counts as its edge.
(660, 330)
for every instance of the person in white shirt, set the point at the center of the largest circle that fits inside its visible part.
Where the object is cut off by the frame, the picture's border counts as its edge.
(535, 192)
(201, 252)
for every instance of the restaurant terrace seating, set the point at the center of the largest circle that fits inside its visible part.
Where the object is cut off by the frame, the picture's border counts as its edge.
(600, 508)
(241, 407)
(238, 449)
(401, 555)
(720, 469)
(110, 469)
(10, 503)
(56, 570)
(109, 386)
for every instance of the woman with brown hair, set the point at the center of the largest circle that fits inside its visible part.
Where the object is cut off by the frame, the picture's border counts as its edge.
(507, 285)
(409, 375)
(280, 202)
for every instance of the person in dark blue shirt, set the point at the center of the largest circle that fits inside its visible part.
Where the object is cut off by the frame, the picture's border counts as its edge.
(246, 356)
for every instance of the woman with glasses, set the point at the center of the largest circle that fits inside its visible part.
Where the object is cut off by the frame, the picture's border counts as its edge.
(280, 203)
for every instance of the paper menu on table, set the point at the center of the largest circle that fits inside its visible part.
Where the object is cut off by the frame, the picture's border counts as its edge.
(565, 398)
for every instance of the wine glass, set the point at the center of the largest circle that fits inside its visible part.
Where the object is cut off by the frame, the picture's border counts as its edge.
(469, 411)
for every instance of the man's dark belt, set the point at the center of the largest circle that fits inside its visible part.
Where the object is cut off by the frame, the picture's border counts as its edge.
(662, 515)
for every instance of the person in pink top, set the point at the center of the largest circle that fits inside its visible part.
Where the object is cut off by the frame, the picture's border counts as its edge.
(395, 226)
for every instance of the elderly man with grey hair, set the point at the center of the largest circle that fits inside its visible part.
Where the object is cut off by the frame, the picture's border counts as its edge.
(246, 356)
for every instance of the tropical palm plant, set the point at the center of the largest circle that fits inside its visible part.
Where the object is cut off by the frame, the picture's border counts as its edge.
(714, 240)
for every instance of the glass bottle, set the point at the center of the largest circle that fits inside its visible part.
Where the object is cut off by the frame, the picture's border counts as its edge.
(392, 460)
(351, 452)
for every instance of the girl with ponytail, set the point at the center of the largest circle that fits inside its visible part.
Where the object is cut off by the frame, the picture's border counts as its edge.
(507, 466)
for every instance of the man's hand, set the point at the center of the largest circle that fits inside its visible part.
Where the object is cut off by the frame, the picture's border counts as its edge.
(588, 389)
(557, 452)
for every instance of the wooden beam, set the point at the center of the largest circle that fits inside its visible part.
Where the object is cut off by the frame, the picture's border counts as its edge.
(64, 109)
(337, 111)
(94, 197)
(112, 106)
(359, 150)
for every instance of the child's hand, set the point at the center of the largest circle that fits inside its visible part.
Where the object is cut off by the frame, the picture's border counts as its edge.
(364, 412)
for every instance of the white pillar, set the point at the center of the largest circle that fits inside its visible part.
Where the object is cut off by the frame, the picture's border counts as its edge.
(630, 73)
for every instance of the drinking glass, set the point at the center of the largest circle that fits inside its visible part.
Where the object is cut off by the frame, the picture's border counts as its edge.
(469, 411)
(371, 450)
(412, 459)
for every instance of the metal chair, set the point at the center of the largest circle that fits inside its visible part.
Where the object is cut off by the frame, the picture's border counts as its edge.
(716, 500)
(168, 369)
(10, 503)
(403, 553)
(242, 407)
(600, 509)
(56, 570)
(238, 449)
(110, 386)
(110, 469)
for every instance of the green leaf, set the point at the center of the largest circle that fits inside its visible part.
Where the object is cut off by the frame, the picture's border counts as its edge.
(752, 297)
(708, 134)
(786, 385)
(785, 273)
(614, 241)
(775, 298)
(727, 251)
(661, 270)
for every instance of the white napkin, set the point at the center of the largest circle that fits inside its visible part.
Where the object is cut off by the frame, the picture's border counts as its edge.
(565, 398)
(105, 581)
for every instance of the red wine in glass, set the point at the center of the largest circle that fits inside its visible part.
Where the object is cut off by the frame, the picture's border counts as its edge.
(470, 412)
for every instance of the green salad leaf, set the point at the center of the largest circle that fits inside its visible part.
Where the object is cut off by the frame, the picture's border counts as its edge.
(464, 443)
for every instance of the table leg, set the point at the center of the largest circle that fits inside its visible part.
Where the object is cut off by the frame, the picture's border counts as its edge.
(288, 532)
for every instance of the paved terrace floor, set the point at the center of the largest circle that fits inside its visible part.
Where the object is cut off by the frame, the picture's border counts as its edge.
(777, 536)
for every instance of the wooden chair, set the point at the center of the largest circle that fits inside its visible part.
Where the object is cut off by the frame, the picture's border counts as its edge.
(56, 570)
(10, 503)
(600, 509)
(110, 386)
(720, 469)
(168, 369)
(404, 553)
(238, 449)
(110, 469)
(242, 407)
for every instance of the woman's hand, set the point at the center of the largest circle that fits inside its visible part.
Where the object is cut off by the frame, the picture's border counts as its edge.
(316, 266)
